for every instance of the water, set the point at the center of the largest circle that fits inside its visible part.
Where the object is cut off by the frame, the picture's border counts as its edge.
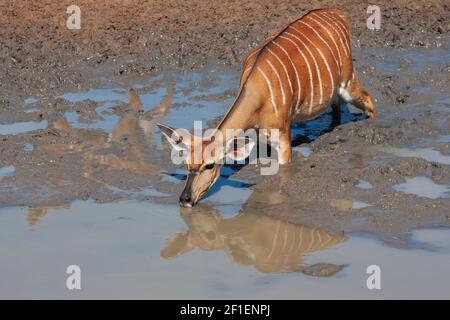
(346, 204)
(21, 127)
(362, 184)
(106, 94)
(27, 146)
(303, 150)
(31, 110)
(6, 171)
(223, 248)
(441, 138)
(424, 153)
(31, 100)
(423, 187)
(414, 60)
(360, 204)
(310, 130)
(143, 250)
(107, 123)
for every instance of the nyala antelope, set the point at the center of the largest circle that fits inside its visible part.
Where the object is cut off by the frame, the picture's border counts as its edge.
(294, 75)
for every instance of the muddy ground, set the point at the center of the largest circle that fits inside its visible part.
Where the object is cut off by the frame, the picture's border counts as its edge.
(39, 55)
(128, 40)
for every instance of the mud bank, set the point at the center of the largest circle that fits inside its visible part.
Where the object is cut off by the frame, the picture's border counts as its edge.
(386, 177)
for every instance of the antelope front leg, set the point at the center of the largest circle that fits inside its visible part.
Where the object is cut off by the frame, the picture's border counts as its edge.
(336, 106)
(284, 147)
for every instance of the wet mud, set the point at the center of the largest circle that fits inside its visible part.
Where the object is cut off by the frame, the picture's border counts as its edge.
(71, 128)
(102, 144)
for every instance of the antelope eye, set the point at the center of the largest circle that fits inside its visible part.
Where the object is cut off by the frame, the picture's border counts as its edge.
(209, 166)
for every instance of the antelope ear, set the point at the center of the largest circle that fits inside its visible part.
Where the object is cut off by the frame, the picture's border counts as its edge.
(134, 101)
(178, 140)
(239, 148)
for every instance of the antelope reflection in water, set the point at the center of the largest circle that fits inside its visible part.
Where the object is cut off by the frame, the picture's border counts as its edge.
(130, 137)
(250, 239)
(122, 149)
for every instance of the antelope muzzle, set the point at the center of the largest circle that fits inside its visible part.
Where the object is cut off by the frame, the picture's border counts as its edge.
(186, 197)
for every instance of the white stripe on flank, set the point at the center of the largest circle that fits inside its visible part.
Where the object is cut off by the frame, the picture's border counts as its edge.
(279, 79)
(270, 90)
(311, 244)
(323, 40)
(286, 236)
(320, 238)
(332, 39)
(292, 242)
(325, 244)
(339, 22)
(324, 60)
(342, 32)
(317, 68)
(247, 69)
(296, 74)
(335, 30)
(284, 67)
(252, 53)
(307, 65)
(274, 241)
(343, 27)
(299, 246)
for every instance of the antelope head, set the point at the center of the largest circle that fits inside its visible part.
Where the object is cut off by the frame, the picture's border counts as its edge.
(203, 157)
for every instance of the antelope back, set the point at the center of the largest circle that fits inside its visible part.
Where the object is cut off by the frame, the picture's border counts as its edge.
(300, 68)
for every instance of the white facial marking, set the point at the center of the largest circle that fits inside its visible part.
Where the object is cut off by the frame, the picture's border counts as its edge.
(344, 94)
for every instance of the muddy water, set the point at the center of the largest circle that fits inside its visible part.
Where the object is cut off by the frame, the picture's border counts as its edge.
(142, 250)
(131, 239)
(21, 127)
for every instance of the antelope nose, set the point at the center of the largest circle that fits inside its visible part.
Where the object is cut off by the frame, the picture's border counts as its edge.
(185, 200)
